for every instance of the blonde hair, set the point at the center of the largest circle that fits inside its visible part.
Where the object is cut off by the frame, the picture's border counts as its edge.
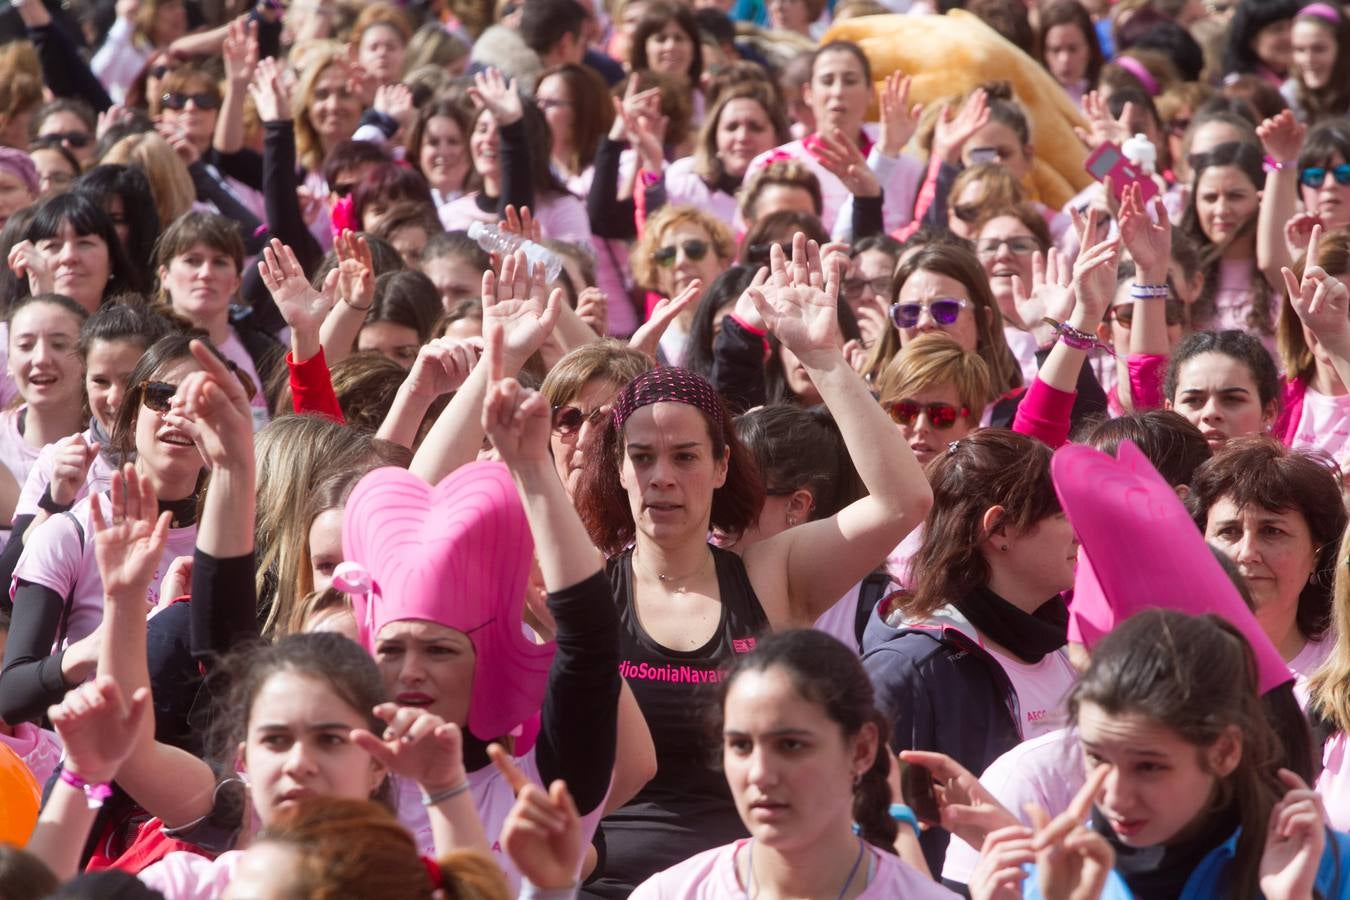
(20, 80)
(308, 146)
(1001, 189)
(668, 217)
(171, 186)
(932, 360)
(1329, 686)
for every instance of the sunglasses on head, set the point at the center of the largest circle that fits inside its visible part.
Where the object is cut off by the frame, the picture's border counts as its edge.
(1124, 313)
(567, 420)
(79, 139)
(944, 310)
(1313, 176)
(940, 415)
(178, 100)
(156, 395)
(694, 250)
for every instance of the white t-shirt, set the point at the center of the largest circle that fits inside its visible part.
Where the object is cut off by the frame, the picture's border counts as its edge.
(1307, 661)
(1047, 771)
(1324, 425)
(40, 475)
(711, 875)
(59, 556)
(1041, 689)
(840, 620)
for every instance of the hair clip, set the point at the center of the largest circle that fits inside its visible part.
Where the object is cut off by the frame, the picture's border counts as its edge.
(951, 448)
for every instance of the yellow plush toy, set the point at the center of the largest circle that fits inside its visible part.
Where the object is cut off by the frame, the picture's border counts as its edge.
(947, 56)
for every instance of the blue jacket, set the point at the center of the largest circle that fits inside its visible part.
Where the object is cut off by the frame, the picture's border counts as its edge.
(1333, 874)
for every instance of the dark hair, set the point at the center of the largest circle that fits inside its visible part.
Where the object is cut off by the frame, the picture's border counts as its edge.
(58, 300)
(603, 503)
(722, 293)
(655, 19)
(129, 319)
(389, 183)
(1248, 19)
(366, 385)
(1328, 137)
(444, 108)
(459, 245)
(848, 47)
(407, 298)
(1195, 676)
(796, 448)
(782, 225)
(1256, 93)
(1168, 38)
(1141, 99)
(87, 218)
(23, 876)
(129, 183)
(882, 243)
(825, 672)
(193, 228)
(73, 105)
(1333, 98)
(1258, 471)
(1071, 12)
(544, 22)
(348, 155)
(1167, 438)
(136, 121)
(1237, 345)
(1007, 17)
(716, 26)
(592, 109)
(109, 884)
(1005, 109)
(59, 148)
(163, 352)
(539, 140)
(991, 467)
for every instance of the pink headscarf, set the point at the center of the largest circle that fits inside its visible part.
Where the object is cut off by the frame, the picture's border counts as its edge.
(458, 555)
(1139, 548)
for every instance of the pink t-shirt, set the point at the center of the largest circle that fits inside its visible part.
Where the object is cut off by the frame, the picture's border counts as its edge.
(60, 556)
(1334, 782)
(1324, 425)
(15, 453)
(1233, 301)
(39, 749)
(898, 563)
(1041, 689)
(711, 875)
(561, 217)
(1306, 662)
(97, 481)
(190, 876)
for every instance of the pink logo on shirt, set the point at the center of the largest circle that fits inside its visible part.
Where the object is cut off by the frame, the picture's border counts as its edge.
(742, 645)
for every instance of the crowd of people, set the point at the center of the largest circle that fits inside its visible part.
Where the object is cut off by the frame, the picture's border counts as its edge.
(545, 449)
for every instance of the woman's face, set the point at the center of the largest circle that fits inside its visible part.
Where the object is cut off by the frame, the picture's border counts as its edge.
(107, 376)
(789, 15)
(686, 239)
(570, 447)
(964, 210)
(1204, 139)
(876, 267)
(556, 102)
(1043, 556)
(484, 145)
(1218, 394)
(1330, 200)
(1066, 53)
(783, 198)
(381, 53)
(73, 133)
(80, 264)
(1225, 199)
(1160, 785)
(1273, 47)
(428, 666)
(194, 122)
(200, 283)
(325, 547)
(796, 377)
(670, 472)
(299, 745)
(996, 142)
(43, 361)
(670, 50)
(410, 241)
(442, 155)
(455, 278)
(14, 196)
(171, 22)
(789, 765)
(1314, 53)
(1276, 554)
(1005, 248)
(743, 132)
(165, 454)
(55, 173)
(926, 439)
(397, 342)
(334, 111)
(923, 288)
(838, 92)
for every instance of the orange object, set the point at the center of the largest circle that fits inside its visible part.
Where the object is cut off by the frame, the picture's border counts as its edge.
(20, 799)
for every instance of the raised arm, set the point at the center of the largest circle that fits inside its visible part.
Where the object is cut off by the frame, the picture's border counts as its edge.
(240, 51)
(1282, 137)
(1323, 306)
(803, 571)
(440, 368)
(355, 286)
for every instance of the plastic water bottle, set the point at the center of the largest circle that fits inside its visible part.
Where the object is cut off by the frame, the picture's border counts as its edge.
(494, 240)
(1140, 151)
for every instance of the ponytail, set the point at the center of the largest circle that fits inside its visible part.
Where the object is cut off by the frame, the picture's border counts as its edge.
(872, 795)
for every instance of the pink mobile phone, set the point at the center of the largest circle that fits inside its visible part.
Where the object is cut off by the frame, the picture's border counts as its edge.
(1108, 161)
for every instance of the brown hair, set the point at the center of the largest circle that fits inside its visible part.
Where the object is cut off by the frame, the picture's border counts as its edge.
(1025, 213)
(1259, 471)
(1166, 437)
(1071, 12)
(707, 164)
(1000, 187)
(1329, 686)
(185, 78)
(186, 232)
(381, 14)
(789, 173)
(935, 359)
(991, 467)
(1333, 255)
(605, 360)
(592, 110)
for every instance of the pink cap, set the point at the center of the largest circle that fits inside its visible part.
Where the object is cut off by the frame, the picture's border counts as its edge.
(1139, 548)
(458, 555)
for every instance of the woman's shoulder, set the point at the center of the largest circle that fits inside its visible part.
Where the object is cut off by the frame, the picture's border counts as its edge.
(704, 876)
(896, 878)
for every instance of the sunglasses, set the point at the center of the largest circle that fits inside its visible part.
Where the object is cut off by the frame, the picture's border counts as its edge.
(1018, 246)
(567, 420)
(1124, 313)
(161, 70)
(944, 310)
(80, 139)
(156, 395)
(202, 99)
(1313, 176)
(344, 190)
(854, 287)
(693, 250)
(966, 212)
(940, 415)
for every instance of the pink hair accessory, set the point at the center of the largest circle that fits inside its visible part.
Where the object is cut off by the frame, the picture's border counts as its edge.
(1321, 11)
(669, 384)
(1139, 548)
(457, 555)
(352, 578)
(1137, 69)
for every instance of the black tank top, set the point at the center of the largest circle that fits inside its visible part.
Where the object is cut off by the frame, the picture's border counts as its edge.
(687, 808)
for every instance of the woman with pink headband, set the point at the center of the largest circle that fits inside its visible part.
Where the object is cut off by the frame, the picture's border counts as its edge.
(1318, 86)
(667, 468)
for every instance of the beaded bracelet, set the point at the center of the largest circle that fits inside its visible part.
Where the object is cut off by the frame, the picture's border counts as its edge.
(1149, 291)
(1076, 339)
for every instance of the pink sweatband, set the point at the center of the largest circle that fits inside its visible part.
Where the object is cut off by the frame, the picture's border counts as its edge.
(1137, 69)
(1321, 11)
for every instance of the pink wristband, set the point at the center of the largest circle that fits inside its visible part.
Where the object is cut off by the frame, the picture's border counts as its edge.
(757, 332)
(94, 794)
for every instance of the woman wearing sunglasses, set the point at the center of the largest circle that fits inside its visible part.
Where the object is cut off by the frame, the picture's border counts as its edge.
(681, 245)
(58, 596)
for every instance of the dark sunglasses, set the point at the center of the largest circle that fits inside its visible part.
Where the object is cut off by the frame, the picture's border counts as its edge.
(940, 415)
(966, 212)
(695, 250)
(1313, 176)
(160, 71)
(156, 395)
(178, 100)
(567, 420)
(944, 310)
(344, 190)
(79, 139)
(1124, 313)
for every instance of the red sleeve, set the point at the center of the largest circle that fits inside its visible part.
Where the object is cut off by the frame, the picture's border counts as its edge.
(1044, 414)
(312, 388)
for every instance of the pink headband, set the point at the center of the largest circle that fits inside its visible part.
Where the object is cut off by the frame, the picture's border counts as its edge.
(1321, 11)
(1139, 548)
(1137, 69)
(669, 384)
(457, 555)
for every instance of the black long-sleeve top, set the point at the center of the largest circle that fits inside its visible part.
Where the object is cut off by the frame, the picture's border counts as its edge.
(738, 366)
(517, 182)
(32, 680)
(610, 217)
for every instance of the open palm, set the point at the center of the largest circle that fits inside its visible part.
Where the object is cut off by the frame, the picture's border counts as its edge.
(520, 304)
(800, 302)
(129, 541)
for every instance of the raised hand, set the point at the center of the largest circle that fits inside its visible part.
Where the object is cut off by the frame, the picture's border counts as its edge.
(396, 102)
(26, 260)
(593, 309)
(845, 161)
(98, 728)
(542, 833)
(212, 407)
(177, 580)
(240, 51)
(303, 308)
(1295, 840)
(1072, 862)
(498, 96)
(800, 302)
(999, 873)
(1298, 231)
(647, 131)
(356, 270)
(113, 115)
(899, 120)
(1149, 240)
(1282, 137)
(129, 540)
(516, 419)
(417, 745)
(635, 103)
(442, 366)
(177, 139)
(1094, 282)
(520, 304)
(521, 223)
(1101, 127)
(1051, 295)
(953, 129)
(648, 335)
(270, 96)
(1320, 300)
(70, 467)
(968, 810)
